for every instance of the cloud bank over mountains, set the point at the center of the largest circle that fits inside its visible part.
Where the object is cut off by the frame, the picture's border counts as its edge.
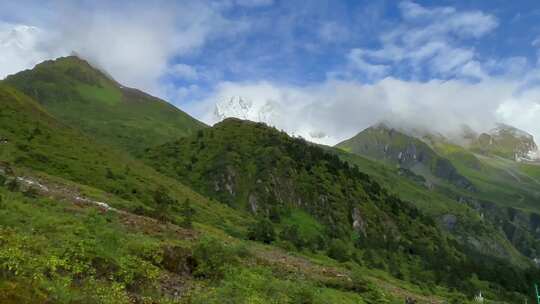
(322, 70)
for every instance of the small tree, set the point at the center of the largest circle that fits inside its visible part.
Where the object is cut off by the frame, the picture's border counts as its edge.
(212, 258)
(187, 213)
(163, 201)
(109, 174)
(358, 280)
(262, 231)
(13, 185)
(291, 233)
(338, 250)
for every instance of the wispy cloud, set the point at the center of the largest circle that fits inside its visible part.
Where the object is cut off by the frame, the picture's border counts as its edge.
(322, 66)
(446, 83)
(21, 47)
(429, 39)
(134, 41)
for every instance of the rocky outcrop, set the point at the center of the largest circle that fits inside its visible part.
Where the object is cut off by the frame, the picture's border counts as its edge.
(408, 152)
(359, 225)
(509, 142)
(449, 221)
(521, 228)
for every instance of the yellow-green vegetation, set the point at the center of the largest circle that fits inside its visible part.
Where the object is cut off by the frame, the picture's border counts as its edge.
(54, 250)
(256, 168)
(497, 214)
(397, 148)
(237, 213)
(439, 202)
(83, 97)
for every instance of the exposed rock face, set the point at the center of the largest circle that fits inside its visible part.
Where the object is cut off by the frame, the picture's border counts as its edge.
(449, 221)
(253, 203)
(509, 142)
(358, 222)
(392, 146)
(521, 228)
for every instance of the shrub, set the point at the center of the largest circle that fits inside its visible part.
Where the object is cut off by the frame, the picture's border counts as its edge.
(31, 193)
(291, 234)
(13, 185)
(338, 250)
(358, 279)
(262, 231)
(303, 295)
(109, 174)
(163, 201)
(212, 258)
(135, 272)
(187, 213)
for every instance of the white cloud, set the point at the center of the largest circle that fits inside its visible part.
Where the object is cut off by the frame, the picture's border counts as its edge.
(340, 109)
(370, 70)
(134, 41)
(20, 47)
(432, 37)
(522, 111)
(145, 38)
(333, 32)
(448, 20)
(184, 71)
(536, 42)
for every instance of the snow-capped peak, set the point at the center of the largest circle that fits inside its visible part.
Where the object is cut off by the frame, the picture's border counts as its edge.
(501, 129)
(525, 149)
(244, 108)
(270, 112)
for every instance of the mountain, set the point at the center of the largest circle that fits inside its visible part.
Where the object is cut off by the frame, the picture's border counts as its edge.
(505, 191)
(33, 140)
(508, 142)
(268, 111)
(244, 108)
(82, 96)
(238, 212)
(392, 146)
(288, 181)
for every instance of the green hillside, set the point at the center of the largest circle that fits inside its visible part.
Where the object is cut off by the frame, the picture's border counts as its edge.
(504, 141)
(33, 141)
(464, 222)
(394, 147)
(61, 242)
(505, 192)
(239, 211)
(83, 97)
(258, 169)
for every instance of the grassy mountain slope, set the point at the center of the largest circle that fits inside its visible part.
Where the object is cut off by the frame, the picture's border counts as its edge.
(505, 141)
(36, 140)
(54, 251)
(61, 243)
(83, 97)
(33, 140)
(394, 147)
(505, 192)
(459, 219)
(296, 187)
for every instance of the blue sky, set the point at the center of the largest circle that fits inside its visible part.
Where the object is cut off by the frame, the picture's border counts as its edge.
(322, 66)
